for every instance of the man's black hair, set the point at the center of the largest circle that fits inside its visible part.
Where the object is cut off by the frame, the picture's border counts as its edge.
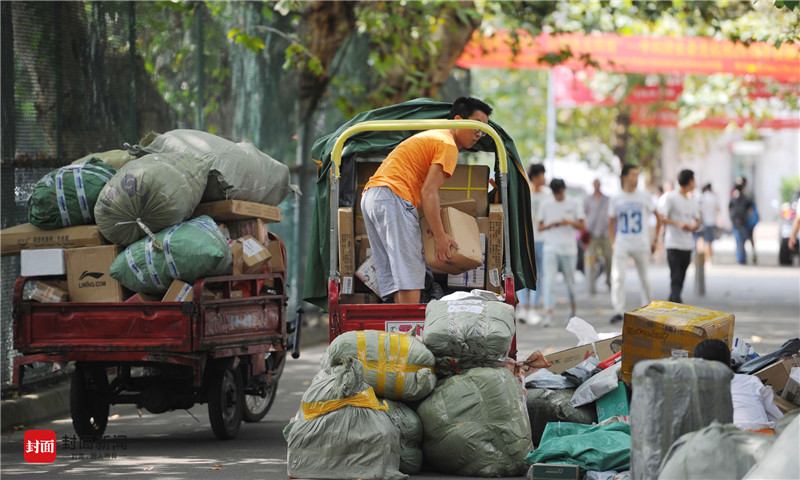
(627, 168)
(557, 185)
(466, 106)
(684, 177)
(535, 169)
(707, 187)
(713, 349)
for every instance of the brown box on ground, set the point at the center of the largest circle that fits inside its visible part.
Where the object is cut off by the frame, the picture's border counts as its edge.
(255, 227)
(88, 277)
(275, 257)
(776, 374)
(554, 471)
(249, 256)
(566, 359)
(47, 293)
(659, 328)
(142, 297)
(359, 299)
(347, 252)
(468, 182)
(29, 237)
(494, 249)
(464, 229)
(226, 210)
(178, 292)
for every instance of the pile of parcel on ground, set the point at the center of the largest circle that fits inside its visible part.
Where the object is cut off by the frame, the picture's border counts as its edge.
(145, 224)
(467, 216)
(629, 406)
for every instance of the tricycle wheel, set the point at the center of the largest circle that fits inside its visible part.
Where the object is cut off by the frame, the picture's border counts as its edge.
(256, 407)
(225, 402)
(89, 401)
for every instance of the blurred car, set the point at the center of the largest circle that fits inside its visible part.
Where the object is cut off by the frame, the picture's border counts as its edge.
(788, 213)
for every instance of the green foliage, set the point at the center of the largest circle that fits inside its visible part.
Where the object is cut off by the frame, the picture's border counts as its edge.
(789, 185)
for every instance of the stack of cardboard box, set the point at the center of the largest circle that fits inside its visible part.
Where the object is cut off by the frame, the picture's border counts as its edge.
(467, 216)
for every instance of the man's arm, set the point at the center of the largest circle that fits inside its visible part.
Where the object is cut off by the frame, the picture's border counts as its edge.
(659, 223)
(612, 229)
(431, 208)
(795, 230)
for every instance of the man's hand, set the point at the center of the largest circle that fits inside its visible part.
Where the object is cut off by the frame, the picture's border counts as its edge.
(442, 244)
(653, 246)
(792, 242)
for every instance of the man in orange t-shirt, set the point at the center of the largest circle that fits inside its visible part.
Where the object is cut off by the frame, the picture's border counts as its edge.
(410, 176)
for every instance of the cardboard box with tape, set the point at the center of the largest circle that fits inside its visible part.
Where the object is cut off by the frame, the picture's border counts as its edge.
(566, 359)
(178, 292)
(494, 249)
(254, 227)
(665, 330)
(47, 293)
(249, 256)
(88, 277)
(464, 230)
(227, 210)
(29, 237)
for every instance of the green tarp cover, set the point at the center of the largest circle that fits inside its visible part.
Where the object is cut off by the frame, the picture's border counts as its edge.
(345, 442)
(154, 192)
(410, 426)
(66, 196)
(397, 366)
(593, 447)
(187, 251)
(476, 424)
(364, 144)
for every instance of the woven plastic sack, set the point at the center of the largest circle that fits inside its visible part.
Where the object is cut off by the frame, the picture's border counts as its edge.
(342, 430)
(468, 332)
(410, 426)
(239, 171)
(150, 194)
(671, 398)
(592, 447)
(716, 451)
(397, 366)
(66, 196)
(187, 251)
(475, 425)
(114, 158)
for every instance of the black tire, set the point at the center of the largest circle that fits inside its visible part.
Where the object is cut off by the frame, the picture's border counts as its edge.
(255, 407)
(225, 402)
(89, 401)
(784, 254)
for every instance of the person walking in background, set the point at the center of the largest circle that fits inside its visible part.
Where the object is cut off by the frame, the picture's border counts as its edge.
(628, 222)
(709, 208)
(681, 216)
(740, 208)
(529, 299)
(558, 219)
(664, 189)
(752, 216)
(596, 208)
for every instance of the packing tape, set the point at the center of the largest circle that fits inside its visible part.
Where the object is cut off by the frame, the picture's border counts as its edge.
(148, 257)
(365, 399)
(83, 203)
(173, 268)
(61, 199)
(132, 265)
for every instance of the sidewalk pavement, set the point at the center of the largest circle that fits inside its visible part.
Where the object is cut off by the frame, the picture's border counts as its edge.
(765, 298)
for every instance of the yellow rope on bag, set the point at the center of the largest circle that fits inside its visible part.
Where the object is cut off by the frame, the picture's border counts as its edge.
(396, 362)
(365, 399)
(381, 368)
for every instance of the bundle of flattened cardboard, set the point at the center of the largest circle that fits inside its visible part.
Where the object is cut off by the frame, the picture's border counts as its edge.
(72, 264)
(467, 216)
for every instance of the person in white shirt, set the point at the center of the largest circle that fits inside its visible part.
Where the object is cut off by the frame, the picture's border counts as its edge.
(681, 216)
(559, 218)
(753, 406)
(628, 225)
(529, 299)
(709, 208)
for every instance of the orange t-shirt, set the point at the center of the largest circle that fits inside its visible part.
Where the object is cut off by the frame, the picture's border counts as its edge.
(407, 166)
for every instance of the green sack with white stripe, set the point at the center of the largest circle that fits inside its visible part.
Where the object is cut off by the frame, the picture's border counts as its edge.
(66, 196)
(190, 250)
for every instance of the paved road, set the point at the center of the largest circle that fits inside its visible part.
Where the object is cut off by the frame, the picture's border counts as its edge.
(179, 445)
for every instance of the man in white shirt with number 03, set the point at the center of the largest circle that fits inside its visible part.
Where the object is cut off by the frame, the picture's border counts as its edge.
(628, 221)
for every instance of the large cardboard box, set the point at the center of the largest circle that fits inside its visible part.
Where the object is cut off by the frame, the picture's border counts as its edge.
(663, 329)
(276, 264)
(554, 471)
(225, 210)
(178, 292)
(347, 252)
(777, 374)
(468, 182)
(464, 229)
(249, 256)
(566, 359)
(88, 277)
(29, 237)
(43, 262)
(47, 293)
(475, 278)
(254, 227)
(494, 249)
